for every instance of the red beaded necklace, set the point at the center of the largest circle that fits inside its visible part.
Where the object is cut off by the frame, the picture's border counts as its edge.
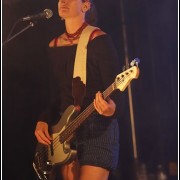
(76, 35)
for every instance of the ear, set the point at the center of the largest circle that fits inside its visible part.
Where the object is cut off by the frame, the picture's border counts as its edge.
(86, 6)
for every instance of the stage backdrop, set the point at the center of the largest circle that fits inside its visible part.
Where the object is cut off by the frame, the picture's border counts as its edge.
(151, 35)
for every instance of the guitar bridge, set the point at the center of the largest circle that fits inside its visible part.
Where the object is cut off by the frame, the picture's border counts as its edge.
(50, 163)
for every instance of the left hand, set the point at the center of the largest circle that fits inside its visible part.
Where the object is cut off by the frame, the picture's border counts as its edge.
(106, 108)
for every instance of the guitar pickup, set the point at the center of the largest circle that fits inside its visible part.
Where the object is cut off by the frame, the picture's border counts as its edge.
(51, 149)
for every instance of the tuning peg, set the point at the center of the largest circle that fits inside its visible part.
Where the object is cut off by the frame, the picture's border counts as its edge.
(134, 62)
(124, 68)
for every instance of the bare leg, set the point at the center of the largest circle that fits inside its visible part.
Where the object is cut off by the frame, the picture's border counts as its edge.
(70, 171)
(93, 173)
(52, 176)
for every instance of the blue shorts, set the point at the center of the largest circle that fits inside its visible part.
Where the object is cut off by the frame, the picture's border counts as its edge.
(98, 142)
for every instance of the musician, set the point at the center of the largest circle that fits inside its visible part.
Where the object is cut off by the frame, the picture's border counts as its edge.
(97, 139)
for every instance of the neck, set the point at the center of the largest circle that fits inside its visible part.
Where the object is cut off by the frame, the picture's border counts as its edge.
(72, 25)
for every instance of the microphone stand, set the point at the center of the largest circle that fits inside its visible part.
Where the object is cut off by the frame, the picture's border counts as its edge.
(31, 24)
(139, 170)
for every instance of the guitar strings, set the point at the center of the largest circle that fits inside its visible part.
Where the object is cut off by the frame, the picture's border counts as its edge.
(106, 93)
(77, 121)
(72, 123)
(56, 139)
(69, 132)
(69, 129)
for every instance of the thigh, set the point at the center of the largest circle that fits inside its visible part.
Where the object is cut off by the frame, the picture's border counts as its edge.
(70, 171)
(93, 173)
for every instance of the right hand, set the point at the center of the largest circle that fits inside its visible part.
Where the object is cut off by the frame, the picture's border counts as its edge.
(42, 134)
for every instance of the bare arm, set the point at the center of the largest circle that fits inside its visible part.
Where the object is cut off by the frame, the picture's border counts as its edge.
(42, 134)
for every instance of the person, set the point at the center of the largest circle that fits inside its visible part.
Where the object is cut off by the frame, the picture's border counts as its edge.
(97, 139)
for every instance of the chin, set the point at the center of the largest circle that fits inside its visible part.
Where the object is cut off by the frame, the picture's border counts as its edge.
(63, 15)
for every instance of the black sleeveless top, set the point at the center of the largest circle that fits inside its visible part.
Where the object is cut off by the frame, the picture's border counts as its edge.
(102, 68)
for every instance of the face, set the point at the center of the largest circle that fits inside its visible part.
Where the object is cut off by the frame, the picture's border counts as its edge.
(72, 8)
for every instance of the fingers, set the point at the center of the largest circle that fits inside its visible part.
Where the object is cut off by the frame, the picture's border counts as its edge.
(47, 134)
(99, 103)
(42, 133)
(106, 108)
(42, 139)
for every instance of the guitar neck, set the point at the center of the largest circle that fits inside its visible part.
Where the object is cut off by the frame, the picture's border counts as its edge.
(72, 126)
(121, 82)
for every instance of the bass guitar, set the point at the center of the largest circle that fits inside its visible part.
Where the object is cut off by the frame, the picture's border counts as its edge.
(60, 152)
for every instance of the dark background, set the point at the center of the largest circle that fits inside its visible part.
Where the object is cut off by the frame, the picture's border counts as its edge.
(152, 34)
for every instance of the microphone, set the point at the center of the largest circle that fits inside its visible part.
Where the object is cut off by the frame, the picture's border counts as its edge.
(46, 14)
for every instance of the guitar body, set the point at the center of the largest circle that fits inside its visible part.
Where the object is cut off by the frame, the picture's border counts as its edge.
(62, 153)
(57, 153)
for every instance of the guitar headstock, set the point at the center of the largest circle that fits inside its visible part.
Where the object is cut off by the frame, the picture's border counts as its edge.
(122, 80)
